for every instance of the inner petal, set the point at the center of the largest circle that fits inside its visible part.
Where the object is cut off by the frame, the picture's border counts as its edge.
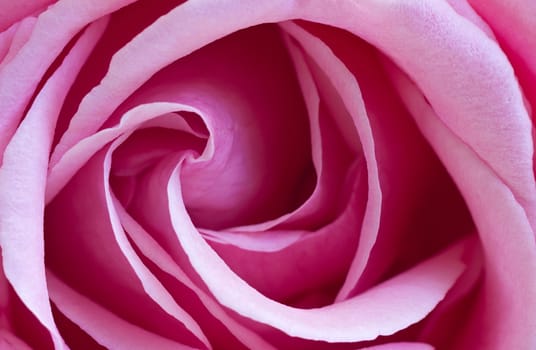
(257, 165)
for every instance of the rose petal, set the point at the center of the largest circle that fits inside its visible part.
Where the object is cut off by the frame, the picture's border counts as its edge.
(78, 155)
(97, 248)
(20, 33)
(311, 267)
(515, 25)
(450, 78)
(5, 40)
(464, 9)
(23, 184)
(131, 67)
(150, 248)
(451, 315)
(13, 11)
(500, 319)
(406, 298)
(10, 341)
(50, 36)
(348, 89)
(151, 285)
(102, 325)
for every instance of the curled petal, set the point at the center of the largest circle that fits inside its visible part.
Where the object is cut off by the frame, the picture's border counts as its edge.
(506, 235)
(102, 325)
(23, 184)
(408, 297)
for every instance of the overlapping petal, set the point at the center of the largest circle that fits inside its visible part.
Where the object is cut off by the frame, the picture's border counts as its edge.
(213, 191)
(23, 184)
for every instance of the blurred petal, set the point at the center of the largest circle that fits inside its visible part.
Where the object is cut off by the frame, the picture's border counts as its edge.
(13, 11)
(401, 346)
(12, 40)
(10, 341)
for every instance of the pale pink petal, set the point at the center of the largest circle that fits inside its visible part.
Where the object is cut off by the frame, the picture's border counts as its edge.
(18, 325)
(500, 319)
(451, 78)
(150, 248)
(348, 89)
(6, 37)
(464, 9)
(131, 66)
(102, 325)
(151, 285)
(96, 248)
(514, 23)
(23, 184)
(49, 38)
(20, 35)
(266, 241)
(79, 154)
(404, 299)
(451, 315)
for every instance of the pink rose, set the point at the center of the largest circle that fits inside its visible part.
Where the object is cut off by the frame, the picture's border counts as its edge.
(267, 174)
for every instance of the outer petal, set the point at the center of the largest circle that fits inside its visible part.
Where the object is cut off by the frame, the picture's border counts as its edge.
(501, 319)
(52, 32)
(193, 24)
(514, 23)
(22, 179)
(463, 73)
